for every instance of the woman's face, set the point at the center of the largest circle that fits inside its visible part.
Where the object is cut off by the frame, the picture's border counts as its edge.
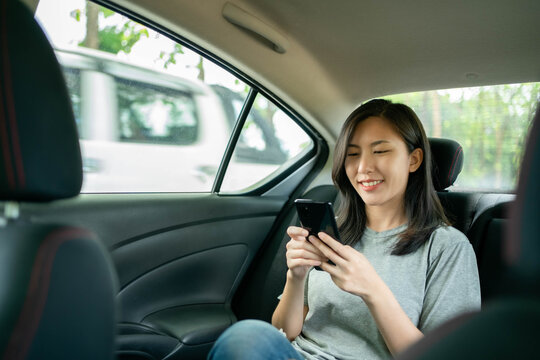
(378, 163)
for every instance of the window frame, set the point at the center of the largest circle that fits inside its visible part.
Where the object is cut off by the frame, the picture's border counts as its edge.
(320, 146)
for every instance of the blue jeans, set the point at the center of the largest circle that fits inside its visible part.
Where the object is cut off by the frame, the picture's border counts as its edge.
(253, 340)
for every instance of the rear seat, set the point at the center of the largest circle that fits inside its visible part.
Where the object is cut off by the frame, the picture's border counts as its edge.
(486, 235)
(480, 216)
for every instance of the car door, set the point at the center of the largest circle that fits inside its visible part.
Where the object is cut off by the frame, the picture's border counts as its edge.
(181, 251)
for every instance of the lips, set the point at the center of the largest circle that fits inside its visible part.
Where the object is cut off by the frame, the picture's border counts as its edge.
(370, 185)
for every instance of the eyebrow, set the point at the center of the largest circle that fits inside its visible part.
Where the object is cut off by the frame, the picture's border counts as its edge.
(375, 143)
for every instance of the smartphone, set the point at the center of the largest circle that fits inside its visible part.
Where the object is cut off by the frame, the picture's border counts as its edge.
(316, 216)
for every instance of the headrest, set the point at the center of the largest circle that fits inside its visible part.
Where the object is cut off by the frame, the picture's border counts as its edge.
(40, 159)
(447, 157)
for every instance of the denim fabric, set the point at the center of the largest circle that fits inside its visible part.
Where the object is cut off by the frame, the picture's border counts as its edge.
(253, 340)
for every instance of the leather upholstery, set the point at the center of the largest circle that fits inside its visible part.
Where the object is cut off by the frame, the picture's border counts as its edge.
(447, 162)
(487, 235)
(40, 157)
(57, 294)
(57, 288)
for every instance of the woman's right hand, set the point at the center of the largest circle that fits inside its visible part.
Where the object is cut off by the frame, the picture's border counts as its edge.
(301, 254)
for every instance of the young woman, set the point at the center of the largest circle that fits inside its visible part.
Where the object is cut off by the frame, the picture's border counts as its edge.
(400, 271)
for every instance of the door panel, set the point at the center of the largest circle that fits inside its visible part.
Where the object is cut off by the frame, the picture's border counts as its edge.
(207, 277)
(179, 258)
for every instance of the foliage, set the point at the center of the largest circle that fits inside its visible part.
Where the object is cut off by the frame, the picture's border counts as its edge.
(490, 123)
(114, 39)
(170, 57)
(109, 38)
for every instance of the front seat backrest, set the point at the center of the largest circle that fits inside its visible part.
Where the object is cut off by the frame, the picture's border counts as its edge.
(57, 285)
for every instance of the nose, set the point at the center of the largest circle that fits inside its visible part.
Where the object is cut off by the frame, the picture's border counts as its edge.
(365, 163)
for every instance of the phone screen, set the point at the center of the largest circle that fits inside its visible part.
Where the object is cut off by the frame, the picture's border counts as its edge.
(317, 216)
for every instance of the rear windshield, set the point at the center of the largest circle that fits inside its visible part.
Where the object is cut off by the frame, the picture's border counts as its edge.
(491, 124)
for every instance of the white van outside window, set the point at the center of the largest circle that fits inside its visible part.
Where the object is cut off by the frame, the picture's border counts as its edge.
(156, 116)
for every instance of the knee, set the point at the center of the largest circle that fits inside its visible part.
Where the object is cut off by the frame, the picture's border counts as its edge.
(249, 328)
(245, 330)
(242, 339)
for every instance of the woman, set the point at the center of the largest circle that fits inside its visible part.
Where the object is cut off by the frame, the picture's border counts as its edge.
(400, 271)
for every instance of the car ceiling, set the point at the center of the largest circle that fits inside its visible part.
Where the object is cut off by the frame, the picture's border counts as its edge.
(343, 52)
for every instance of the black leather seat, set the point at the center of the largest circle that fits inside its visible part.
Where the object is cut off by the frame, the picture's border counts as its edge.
(447, 158)
(487, 238)
(507, 326)
(57, 286)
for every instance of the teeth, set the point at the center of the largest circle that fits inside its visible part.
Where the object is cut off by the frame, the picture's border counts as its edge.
(372, 183)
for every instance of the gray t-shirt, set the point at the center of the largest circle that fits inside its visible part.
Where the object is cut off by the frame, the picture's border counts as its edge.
(433, 284)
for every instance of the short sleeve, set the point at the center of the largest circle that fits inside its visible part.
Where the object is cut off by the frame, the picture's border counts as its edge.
(452, 282)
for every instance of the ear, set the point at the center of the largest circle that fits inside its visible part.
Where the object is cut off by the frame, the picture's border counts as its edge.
(415, 159)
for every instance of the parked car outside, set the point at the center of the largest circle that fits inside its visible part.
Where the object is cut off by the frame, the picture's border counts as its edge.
(138, 124)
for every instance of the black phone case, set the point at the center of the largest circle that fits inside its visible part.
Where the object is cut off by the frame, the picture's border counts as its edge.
(317, 216)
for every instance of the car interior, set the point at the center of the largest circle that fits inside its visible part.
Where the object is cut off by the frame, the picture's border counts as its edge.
(160, 275)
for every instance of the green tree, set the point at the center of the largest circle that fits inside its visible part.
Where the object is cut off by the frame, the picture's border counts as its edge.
(491, 123)
(110, 38)
(122, 36)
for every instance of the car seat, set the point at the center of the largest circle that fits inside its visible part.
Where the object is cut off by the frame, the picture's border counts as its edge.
(57, 287)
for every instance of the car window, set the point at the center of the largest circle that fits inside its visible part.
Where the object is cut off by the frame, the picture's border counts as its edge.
(270, 140)
(155, 114)
(490, 123)
(149, 116)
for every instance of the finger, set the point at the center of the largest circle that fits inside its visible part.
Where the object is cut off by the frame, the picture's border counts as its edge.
(302, 262)
(304, 254)
(326, 250)
(332, 243)
(333, 270)
(306, 245)
(295, 231)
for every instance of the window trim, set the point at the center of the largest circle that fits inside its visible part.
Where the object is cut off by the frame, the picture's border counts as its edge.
(233, 140)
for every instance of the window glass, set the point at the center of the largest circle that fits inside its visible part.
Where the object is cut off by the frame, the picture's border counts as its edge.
(155, 114)
(73, 82)
(491, 124)
(152, 115)
(270, 140)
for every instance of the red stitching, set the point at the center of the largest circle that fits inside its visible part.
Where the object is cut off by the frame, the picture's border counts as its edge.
(36, 296)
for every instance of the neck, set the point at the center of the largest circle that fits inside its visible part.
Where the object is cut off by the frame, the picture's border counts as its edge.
(380, 218)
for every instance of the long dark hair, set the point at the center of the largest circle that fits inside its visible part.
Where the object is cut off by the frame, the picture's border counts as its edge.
(422, 206)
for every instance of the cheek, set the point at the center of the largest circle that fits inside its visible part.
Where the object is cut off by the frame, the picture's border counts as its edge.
(398, 167)
(402, 171)
(350, 170)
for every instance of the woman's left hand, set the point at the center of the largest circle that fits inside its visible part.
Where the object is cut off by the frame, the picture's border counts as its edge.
(352, 271)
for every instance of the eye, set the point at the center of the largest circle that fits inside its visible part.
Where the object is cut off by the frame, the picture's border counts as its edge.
(380, 151)
(352, 154)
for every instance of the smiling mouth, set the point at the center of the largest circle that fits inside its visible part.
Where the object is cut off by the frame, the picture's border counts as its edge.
(371, 183)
